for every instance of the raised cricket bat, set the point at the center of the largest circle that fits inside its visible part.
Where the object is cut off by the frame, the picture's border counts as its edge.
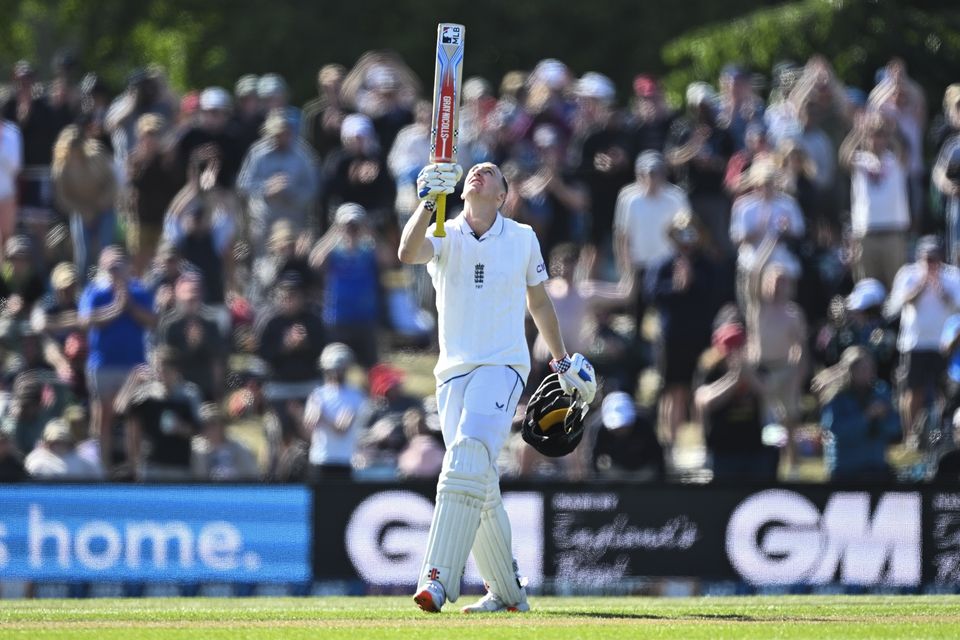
(445, 126)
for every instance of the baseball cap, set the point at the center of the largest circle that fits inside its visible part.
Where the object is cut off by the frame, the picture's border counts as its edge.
(336, 356)
(64, 275)
(22, 69)
(596, 85)
(545, 136)
(551, 72)
(210, 412)
(618, 410)
(728, 337)
(350, 212)
(929, 246)
(18, 245)
(246, 86)
(700, 92)
(354, 125)
(270, 85)
(866, 294)
(215, 98)
(649, 161)
(57, 431)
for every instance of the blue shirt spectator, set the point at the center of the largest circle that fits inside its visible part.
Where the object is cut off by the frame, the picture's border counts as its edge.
(121, 342)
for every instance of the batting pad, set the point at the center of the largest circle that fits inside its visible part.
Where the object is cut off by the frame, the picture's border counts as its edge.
(460, 495)
(493, 547)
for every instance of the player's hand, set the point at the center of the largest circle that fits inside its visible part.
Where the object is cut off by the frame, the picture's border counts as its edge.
(438, 179)
(576, 375)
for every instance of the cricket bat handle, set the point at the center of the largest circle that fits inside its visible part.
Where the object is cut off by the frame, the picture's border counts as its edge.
(441, 211)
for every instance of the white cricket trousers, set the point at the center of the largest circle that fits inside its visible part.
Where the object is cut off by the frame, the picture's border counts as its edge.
(480, 405)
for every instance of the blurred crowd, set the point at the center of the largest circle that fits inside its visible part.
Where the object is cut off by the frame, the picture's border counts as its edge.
(206, 286)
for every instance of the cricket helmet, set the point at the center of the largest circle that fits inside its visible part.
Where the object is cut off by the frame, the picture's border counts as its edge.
(553, 424)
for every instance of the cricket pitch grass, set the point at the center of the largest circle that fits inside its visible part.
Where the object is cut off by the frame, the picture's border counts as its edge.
(359, 618)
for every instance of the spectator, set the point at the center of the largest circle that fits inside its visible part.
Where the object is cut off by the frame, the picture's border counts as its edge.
(859, 321)
(56, 458)
(739, 104)
(730, 403)
(387, 104)
(651, 117)
(278, 179)
(154, 180)
(925, 293)
(626, 445)
(167, 268)
(946, 182)
(216, 456)
(352, 300)
(117, 311)
(39, 127)
(384, 438)
(422, 457)
(290, 338)
(211, 129)
(33, 403)
(21, 285)
(683, 289)
(11, 461)
(756, 149)
(160, 412)
(274, 94)
(948, 466)
(196, 338)
(333, 416)
(357, 173)
(697, 151)
(405, 159)
(146, 92)
(285, 253)
(644, 212)
(858, 418)
(247, 118)
(323, 115)
(11, 162)
(879, 208)
(56, 318)
(86, 187)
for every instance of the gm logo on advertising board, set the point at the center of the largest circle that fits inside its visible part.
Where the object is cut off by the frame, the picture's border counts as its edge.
(158, 533)
(781, 537)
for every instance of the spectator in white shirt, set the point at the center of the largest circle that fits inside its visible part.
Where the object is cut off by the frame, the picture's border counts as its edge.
(879, 207)
(642, 218)
(333, 416)
(56, 457)
(925, 293)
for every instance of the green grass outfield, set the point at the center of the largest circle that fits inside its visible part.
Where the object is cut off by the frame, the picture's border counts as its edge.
(818, 617)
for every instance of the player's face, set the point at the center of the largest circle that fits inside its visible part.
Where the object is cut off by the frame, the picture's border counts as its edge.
(486, 181)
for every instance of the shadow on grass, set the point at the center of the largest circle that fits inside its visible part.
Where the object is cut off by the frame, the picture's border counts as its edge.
(731, 617)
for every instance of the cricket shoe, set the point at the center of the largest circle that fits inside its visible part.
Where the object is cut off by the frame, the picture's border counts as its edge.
(431, 597)
(491, 603)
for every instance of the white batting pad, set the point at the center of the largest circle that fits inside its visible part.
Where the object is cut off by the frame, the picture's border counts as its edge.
(493, 546)
(460, 495)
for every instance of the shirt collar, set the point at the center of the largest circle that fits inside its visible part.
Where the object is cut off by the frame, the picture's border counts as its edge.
(495, 229)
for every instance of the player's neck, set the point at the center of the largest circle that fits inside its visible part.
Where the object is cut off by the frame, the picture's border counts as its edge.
(480, 216)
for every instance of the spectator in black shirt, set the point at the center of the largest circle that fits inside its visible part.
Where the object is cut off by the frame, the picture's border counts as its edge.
(11, 461)
(626, 444)
(212, 129)
(730, 401)
(160, 411)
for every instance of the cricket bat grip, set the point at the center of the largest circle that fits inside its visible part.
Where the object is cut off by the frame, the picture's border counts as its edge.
(441, 212)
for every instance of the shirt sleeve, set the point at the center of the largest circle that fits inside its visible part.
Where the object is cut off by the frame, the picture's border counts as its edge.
(536, 269)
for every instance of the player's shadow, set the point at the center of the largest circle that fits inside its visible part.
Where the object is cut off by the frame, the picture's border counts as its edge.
(606, 615)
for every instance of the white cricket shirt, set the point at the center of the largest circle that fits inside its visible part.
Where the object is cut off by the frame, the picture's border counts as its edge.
(481, 286)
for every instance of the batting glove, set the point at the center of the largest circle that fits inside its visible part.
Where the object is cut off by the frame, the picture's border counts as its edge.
(438, 180)
(576, 375)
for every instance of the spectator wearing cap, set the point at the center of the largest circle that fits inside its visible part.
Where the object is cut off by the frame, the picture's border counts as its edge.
(215, 455)
(21, 285)
(333, 416)
(196, 337)
(322, 116)
(161, 417)
(879, 206)
(405, 159)
(145, 93)
(626, 445)
(697, 151)
(278, 180)
(11, 460)
(56, 458)
(387, 104)
(756, 148)
(116, 310)
(11, 162)
(548, 101)
(858, 321)
(391, 411)
(946, 173)
(274, 94)
(642, 218)
(730, 402)
(739, 104)
(683, 290)
(57, 320)
(650, 117)
(247, 118)
(605, 151)
(39, 127)
(85, 183)
(63, 91)
(858, 418)
(346, 256)
(215, 107)
(290, 337)
(554, 200)
(285, 253)
(153, 181)
(924, 294)
(357, 173)
(34, 401)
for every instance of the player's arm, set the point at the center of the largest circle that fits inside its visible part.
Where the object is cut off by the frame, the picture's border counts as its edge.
(545, 317)
(435, 180)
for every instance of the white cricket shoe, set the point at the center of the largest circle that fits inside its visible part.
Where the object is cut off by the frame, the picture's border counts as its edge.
(491, 603)
(431, 597)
